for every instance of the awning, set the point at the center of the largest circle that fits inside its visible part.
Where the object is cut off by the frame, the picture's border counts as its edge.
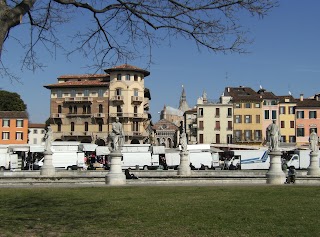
(16, 148)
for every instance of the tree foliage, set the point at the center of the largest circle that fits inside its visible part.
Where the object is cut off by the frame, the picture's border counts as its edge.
(120, 30)
(10, 101)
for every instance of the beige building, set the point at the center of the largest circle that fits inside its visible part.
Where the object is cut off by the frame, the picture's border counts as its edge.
(83, 107)
(214, 121)
(36, 133)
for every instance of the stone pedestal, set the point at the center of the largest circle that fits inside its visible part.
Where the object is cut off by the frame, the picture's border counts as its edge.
(47, 169)
(275, 175)
(313, 169)
(184, 167)
(115, 175)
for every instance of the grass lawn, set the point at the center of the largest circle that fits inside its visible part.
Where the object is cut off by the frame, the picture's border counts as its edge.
(161, 211)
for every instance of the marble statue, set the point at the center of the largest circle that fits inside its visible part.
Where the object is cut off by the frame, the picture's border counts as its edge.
(48, 139)
(273, 132)
(313, 140)
(116, 136)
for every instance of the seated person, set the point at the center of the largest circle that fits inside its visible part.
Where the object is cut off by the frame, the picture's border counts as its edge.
(128, 175)
(291, 175)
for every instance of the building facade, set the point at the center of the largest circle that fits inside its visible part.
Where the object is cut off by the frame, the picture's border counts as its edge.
(36, 133)
(14, 127)
(83, 107)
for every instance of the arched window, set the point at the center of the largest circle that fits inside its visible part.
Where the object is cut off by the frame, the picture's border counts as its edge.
(86, 126)
(59, 109)
(72, 126)
(135, 111)
(100, 108)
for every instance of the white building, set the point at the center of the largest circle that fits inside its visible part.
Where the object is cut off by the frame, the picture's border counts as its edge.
(36, 133)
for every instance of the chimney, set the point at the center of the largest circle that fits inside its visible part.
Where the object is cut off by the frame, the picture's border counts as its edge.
(301, 97)
(228, 89)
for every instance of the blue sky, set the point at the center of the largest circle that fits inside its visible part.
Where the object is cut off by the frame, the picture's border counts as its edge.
(284, 57)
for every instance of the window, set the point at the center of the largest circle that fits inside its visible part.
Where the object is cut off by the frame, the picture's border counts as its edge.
(6, 123)
(73, 93)
(100, 108)
(75, 109)
(258, 118)
(84, 109)
(128, 77)
(282, 110)
(237, 119)
(300, 114)
(100, 93)
(257, 105)
(257, 135)
(70, 109)
(34, 140)
(282, 124)
(119, 111)
(200, 138)
(118, 91)
(59, 94)
(72, 126)
(283, 139)
(291, 124)
(100, 126)
(274, 114)
(5, 135)
(35, 131)
(135, 111)
(247, 134)
(238, 105)
(229, 112)
(217, 125)
(135, 126)
(217, 112)
(136, 92)
(291, 110)
(300, 132)
(229, 125)
(135, 77)
(292, 139)
(313, 114)
(89, 109)
(315, 130)
(59, 109)
(248, 105)
(42, 131)
(59, 127)
(237, 135)
(19, 136)
(201, 125)
(247, 118)
(86, 126)
(119, 77)
(266, 114)
(217, 138)
(200, 112)
(86, 93)
(19, 123)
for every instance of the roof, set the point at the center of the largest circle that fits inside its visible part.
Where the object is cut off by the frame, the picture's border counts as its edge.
(286, 99)
(37, 125)
(13, 114)
(168, 125)
(308, 103)
(82, 76)
(83, 83)
(127, 67)
(248, 94)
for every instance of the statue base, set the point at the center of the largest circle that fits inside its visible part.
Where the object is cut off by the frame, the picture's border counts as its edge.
(313, 169)
(115, 176)
(184, 167)
(275, 175)
(47, 169)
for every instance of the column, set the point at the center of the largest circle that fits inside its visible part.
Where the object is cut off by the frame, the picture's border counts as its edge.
(275, 175)
(115, 175)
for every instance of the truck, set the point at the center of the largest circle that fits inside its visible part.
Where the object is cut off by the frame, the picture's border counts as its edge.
(248, 160)
(201, 157)
(300, 159)
(8, 160)
(66, 155)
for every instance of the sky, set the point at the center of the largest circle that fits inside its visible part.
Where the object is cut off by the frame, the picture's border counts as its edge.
(285, 56)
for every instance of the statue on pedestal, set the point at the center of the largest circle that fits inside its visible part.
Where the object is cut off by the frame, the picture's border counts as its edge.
(313, 140)
(273, 132)
(183, 141)
(48, 139)
(116, 137)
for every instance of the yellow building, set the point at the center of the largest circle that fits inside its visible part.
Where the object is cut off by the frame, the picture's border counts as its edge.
(287, 118)
(83, 107)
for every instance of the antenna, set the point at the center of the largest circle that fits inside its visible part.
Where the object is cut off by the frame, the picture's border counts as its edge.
(260, 87)
(289, 92)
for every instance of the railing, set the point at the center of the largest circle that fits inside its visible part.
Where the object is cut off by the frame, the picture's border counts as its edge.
(58, 115)
(128, 115)
(99, 115)
(117, 98)
(78, 115)
(78, 99)
(136, 99)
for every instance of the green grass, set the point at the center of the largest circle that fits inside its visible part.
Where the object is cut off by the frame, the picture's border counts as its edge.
(161, 211)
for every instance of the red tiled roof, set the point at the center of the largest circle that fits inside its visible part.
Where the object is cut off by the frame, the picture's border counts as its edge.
(127, 67)
(308, 103)
(78, 84)
(169, 125)
(75, 76)
(37, 125)
(13, 114)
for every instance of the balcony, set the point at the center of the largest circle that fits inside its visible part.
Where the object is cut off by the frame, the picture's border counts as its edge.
(98, 115)
(78, 100)
(78, 115)
(129, 115)
(76, 133)
(136, 99)
(117, 99)
(58, 115)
